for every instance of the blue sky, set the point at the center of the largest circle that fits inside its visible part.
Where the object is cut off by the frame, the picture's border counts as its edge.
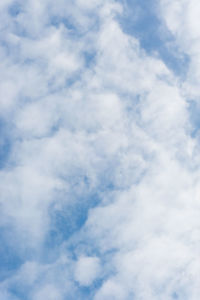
(99, 150)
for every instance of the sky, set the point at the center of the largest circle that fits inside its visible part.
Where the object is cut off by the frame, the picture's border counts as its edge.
(99, 150)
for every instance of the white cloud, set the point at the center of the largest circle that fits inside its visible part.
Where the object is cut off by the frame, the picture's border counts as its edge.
(114, 136)
(48, 292)
(111, 290)
(182, 19)
(86, 270)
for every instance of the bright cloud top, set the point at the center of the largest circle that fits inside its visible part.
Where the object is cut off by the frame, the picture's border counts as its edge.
(99, 150)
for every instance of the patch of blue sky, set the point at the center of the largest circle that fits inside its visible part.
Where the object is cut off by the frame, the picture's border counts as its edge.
(19, 291)
(11, 259)
(65, 223)
(88, 292)
(75, 30)
(58, 20)
(68, 220)
(54, 87)
(180, 293)
(194, 113)
(5, 145)
(89, 57)
(175, 295)
(5, 148)
(15, 9)
(142, 21)
(8, 296)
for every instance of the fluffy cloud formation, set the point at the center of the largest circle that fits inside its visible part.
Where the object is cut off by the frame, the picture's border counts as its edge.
(99, 178)
(87, 270)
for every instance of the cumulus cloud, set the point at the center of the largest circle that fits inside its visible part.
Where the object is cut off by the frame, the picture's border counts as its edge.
(87, 270)
(99, 165)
